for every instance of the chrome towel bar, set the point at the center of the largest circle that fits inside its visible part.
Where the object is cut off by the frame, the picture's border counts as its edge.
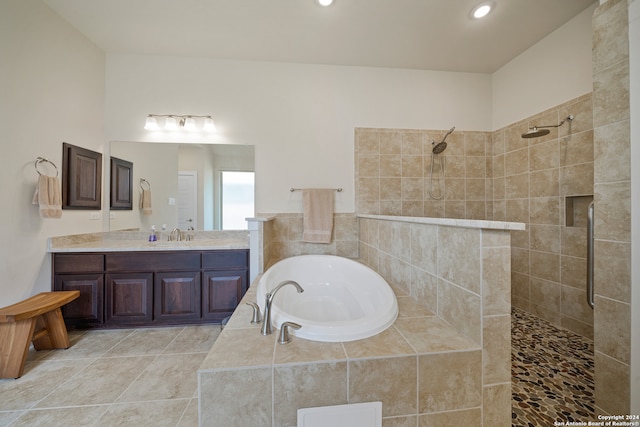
(590, 255)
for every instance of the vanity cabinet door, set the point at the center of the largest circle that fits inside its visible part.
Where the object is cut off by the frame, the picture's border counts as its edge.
(87, 308)
(222, 291)
(129, 297)
(177, 296)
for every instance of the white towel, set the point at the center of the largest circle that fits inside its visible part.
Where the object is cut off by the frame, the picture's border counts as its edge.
(47, 197)
(317, 204)
(145, 202)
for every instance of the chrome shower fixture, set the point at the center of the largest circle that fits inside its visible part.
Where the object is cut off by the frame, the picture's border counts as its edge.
(537, 131)
(442, 145)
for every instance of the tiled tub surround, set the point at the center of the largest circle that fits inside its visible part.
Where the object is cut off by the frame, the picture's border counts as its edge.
(427, 369)
(280, 236)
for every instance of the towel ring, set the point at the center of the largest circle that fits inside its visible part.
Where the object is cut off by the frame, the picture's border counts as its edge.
(44, 160)
(142, 184)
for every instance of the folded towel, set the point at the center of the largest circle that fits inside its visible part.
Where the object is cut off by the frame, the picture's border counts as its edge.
(317, 205)
(145, 202)
(47, 196)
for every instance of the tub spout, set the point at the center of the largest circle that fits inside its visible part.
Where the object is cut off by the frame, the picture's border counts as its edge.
(266, 323)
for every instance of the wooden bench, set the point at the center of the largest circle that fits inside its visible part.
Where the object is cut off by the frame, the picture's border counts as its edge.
(36, 319)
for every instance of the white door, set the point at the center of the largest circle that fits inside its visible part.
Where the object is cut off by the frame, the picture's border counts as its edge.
(187, 199)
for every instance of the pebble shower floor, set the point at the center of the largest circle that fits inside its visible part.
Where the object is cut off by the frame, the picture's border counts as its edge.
(551, 373)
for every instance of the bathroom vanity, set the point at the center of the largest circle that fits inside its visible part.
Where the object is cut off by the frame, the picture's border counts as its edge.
(123, 285)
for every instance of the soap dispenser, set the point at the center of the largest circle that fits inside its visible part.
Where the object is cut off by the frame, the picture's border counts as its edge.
(153, 237)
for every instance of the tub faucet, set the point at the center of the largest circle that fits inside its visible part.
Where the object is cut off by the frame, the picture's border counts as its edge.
(266, 323)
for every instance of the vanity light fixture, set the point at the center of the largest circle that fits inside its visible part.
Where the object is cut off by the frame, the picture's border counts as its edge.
(324, 2)
(174, 122)
(482, 10)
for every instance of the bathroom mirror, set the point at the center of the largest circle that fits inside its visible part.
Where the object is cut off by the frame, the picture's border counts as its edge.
(185, 185)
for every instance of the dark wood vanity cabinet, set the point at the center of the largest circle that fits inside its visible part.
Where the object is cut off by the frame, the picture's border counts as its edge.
(147, 288)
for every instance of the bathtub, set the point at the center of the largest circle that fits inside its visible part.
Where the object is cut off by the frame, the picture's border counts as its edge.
(343, 300)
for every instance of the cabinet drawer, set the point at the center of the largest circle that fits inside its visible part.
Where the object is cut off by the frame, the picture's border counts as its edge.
(78, 263)
(225, 259)
(148, 261)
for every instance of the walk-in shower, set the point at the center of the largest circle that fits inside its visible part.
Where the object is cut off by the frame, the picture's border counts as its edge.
(537, 131)
(439, 149)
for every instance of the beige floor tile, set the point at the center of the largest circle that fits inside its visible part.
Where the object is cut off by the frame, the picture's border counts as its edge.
(145, 341)
(101, 382)
(89, 344)
(190, 416)
(167, 377)
(38, 380)
(74, 416)
(194, 339)
(156, 413)
(9, 416)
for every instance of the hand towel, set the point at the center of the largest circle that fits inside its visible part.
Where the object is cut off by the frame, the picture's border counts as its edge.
(317, 205)
(47, 196)
(145, 202)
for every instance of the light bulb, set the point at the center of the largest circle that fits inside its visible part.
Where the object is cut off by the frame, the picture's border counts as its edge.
(482, 10)
(209, 126)
(325, 2)
(189, 124)
(151, 123)
(171, 123)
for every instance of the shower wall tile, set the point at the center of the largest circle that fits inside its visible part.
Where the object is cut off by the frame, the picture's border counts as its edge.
(611, 379)
(574, 304)
(573, 271)
(545, 183)
(545, 265)
(460, 308)
(496, 281)
(545, 210)
(611, 338)
(496, 405)
(614, 153)
(544, 155)
(576, 179)
(612, 270)
(576, 148)
(610, 35)
(574, 241)
(459, 257)
(545, 293)
(612, 104)
(393, 173)
(545, 238)
(612, 216)
(496, 339)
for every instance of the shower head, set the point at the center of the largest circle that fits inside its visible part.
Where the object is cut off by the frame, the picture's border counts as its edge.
(534, 132)
(442, 145)
(537, 131)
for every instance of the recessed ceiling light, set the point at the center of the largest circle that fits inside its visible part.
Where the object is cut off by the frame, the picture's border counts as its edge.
(482, 10)
(324, 2)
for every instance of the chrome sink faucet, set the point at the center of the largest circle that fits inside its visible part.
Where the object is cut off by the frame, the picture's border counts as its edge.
(266, 323)
(178, 235)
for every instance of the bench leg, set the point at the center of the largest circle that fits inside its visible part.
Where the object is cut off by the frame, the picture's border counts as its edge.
(15, 339)
(57, 337)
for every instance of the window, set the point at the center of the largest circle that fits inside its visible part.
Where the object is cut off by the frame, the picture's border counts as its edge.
(237, 199)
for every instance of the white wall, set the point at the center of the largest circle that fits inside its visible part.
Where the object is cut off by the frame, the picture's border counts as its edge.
(301, 118)
(553, 71)
(51, 90)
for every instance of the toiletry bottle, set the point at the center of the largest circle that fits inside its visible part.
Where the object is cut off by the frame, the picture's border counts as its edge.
(152, 236)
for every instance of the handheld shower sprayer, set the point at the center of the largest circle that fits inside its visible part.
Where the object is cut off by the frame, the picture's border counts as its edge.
(442, 145)
(438, 149)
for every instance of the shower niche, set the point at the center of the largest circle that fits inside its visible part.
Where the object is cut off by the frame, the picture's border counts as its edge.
(576, 210)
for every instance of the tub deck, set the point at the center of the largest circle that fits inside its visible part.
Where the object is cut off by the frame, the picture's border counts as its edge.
(251, 379)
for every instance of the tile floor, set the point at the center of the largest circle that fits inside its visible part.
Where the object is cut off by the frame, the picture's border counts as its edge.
(147, 377)
(551, 373)
(124, 377)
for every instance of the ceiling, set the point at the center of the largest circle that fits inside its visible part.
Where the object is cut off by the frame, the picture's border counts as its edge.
(413, 34)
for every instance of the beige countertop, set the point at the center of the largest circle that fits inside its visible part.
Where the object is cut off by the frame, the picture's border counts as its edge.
(138, 242)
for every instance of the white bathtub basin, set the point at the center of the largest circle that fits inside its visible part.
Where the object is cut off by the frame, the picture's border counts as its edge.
(343, 300)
